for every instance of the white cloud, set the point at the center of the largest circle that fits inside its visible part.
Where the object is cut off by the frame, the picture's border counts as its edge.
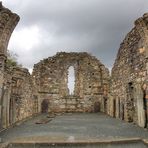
(25, 38)
(50, 26)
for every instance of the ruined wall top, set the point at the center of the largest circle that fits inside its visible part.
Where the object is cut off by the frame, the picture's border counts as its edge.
(129, 72)
(135, 42)
(142, 20)
(67, 56)
(91, 79)
(8, 21)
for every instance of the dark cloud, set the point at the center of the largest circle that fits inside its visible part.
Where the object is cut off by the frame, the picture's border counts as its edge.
(95, 26)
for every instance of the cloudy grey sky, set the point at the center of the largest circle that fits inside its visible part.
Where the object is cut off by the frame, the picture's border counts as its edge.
(50, 26)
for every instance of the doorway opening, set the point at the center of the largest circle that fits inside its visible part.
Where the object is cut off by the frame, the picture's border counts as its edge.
(122, 111)
(11, 110)
(44, 106)
(145, 108)
(114, 108)
(131, 99)
(71, 80)
(105, 104)
(96, 107)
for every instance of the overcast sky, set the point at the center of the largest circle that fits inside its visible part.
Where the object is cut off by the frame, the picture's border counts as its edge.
(50, 26)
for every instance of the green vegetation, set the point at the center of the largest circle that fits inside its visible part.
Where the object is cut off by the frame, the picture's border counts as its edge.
(12, 59)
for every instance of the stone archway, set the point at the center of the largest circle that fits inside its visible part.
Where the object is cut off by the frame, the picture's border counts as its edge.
(8, 21)
(44, 106)
(71, 80)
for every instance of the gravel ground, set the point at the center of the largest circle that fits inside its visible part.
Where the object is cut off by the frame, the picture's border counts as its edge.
(77, 126)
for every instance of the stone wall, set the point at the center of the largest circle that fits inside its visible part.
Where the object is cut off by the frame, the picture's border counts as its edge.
(128, 98)
(124, 95)
(18, 96)
(8, 21)
(17, 100)
(91, 83)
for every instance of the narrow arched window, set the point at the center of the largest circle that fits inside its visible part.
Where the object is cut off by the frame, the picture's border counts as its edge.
(71, 80)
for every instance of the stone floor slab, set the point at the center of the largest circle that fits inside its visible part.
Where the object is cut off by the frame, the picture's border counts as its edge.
(77, 126)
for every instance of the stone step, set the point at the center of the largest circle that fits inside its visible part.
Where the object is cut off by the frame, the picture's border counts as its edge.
(80, 144)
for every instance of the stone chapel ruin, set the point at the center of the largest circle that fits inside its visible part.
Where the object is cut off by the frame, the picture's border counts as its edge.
(91, 83)
(122, 95)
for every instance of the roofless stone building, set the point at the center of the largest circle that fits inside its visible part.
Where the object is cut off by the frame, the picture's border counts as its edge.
(123, 95)
(130, 76)
(90, 88)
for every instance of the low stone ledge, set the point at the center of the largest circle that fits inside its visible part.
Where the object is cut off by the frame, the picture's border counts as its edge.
(76, 143)
(86, 141)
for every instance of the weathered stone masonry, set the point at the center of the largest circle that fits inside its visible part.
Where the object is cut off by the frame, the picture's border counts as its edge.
(18, 98)
(123, 95)
(8, 21)
(16, 87)
(22, 95)
(91, 83)
(130, 76)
